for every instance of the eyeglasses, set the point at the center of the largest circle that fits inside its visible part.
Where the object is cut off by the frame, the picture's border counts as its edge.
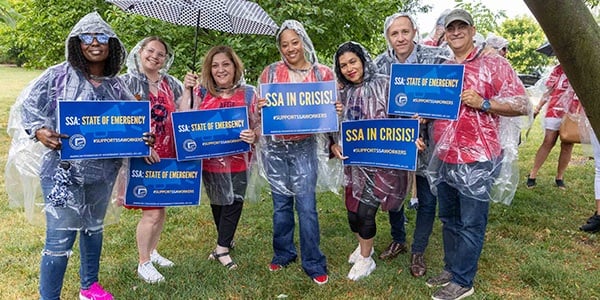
(88, 38)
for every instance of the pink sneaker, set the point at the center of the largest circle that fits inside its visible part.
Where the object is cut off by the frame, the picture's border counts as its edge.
(95, 292)
(321, 279)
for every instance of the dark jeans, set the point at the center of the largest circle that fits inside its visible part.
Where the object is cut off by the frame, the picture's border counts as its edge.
(291, 169)
(464, 222)
(424, 222)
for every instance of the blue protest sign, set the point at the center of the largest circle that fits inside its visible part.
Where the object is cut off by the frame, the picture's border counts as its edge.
(210, 133)
(432, 91)
(166, 183)
(103, 129)
(299, 108)
(385, 143)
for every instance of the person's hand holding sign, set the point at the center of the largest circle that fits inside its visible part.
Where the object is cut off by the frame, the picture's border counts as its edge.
(50, 138)
(336, 149)
(248, 136)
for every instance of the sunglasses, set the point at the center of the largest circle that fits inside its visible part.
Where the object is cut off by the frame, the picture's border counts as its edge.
(88, 38)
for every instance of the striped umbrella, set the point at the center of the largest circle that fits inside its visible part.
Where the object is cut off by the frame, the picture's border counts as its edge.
(233, 16)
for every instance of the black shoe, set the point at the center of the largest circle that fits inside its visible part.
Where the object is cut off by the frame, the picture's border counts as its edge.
(592, 225)
(530, 182)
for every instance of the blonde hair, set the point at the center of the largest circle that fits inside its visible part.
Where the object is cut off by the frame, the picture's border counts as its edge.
(206, 78)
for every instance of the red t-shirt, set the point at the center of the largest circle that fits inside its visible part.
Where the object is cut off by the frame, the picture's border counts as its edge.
(162, 123)
(232, 163)
(474, 136)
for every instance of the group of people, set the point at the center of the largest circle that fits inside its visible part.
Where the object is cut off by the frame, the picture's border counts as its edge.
(458, 160)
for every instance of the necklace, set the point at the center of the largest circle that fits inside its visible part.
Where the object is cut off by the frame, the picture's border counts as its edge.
(303, 70)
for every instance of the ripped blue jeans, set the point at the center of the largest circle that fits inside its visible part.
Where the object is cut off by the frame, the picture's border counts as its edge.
(85, 216)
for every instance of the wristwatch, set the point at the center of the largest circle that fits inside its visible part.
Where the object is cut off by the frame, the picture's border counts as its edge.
(485, 105)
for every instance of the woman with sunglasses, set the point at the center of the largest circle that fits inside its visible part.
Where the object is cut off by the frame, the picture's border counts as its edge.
(76, 192)
(147, 78)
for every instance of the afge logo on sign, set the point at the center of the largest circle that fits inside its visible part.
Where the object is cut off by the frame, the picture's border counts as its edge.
(401, 99)
(77, 141)
(189, 145)
(140, 191)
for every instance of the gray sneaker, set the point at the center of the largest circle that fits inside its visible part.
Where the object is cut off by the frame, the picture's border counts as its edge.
(453, 291)
(440, 280)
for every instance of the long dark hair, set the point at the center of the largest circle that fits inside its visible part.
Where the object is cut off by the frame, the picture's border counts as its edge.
(347, 47)
(114, 62)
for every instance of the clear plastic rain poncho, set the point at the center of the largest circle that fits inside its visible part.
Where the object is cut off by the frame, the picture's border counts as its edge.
(436, 35)
(77, 191)
(226, 179)
(559, 100)
(169, 91)
(369, 100)
(299, 163)
(477, 154)
(496, 42)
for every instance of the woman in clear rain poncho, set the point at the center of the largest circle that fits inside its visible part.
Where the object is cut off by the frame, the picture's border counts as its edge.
(291, 162)
(76, 192)
(225, 179)
(364, 96)
(561, 102)
(147, 78)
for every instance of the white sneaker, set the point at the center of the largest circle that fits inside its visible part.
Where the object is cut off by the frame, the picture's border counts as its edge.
(148, 273)
(356, 255)
(362, 268)
(160, 260)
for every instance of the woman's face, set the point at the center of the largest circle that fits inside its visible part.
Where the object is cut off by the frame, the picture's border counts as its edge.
(351, 67)
(93, 50)
(153, 56)
(222, 70)
(290, 44)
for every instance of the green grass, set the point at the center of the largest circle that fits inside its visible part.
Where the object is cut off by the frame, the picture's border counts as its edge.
(533, 248)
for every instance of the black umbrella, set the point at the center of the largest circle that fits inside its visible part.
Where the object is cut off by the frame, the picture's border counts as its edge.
(546, 48)
(233, 16)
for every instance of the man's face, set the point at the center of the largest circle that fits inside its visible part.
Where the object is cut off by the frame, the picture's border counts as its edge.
(459, 35)
(401, 34)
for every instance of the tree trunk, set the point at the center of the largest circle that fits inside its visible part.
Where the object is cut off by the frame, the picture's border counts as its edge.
(574, 36)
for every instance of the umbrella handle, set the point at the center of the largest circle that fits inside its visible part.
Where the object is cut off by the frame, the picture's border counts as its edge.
(191, 97)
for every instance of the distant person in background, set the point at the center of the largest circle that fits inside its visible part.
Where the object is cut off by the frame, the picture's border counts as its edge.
(561, 99)
(499, 43)
(147, 79)
(436, 36)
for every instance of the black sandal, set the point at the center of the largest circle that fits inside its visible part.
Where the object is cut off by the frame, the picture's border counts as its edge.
(560, 184)
(214, 256)
(530, 182)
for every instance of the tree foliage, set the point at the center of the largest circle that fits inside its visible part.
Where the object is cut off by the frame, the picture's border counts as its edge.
(485, 19)
(524, 35)
(45, 24)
